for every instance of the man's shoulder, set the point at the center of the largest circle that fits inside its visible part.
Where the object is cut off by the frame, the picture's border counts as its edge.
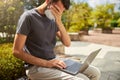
(29, 12)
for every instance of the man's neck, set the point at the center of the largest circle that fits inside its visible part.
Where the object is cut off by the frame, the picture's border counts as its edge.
(41, 8)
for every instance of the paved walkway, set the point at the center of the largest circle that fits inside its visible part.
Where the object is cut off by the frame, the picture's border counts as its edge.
(100, 38)
(108, 59)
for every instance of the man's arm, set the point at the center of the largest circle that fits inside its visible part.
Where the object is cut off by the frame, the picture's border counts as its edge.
(62, 33)
(18, 52)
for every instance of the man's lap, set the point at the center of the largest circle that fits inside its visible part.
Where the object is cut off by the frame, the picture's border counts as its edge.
(41, 73)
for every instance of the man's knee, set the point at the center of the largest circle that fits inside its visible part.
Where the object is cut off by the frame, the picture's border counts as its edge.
(93, 72)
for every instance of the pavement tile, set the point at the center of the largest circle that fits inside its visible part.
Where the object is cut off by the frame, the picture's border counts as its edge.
(108, 60)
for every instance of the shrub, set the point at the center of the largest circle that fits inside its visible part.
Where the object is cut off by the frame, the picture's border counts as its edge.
(11, 68)
(114, 23)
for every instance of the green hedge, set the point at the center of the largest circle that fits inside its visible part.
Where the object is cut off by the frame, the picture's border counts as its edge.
(11, 68)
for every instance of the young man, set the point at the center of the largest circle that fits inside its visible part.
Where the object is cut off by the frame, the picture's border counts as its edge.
(35, 39)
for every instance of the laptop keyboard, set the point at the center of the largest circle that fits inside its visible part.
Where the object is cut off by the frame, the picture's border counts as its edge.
(69, 62)
(74, 67)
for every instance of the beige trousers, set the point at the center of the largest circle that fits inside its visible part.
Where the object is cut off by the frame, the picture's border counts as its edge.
(41, 73)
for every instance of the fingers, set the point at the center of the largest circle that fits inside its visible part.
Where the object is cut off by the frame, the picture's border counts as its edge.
(57, 63)
(61, 65)
(56, 10)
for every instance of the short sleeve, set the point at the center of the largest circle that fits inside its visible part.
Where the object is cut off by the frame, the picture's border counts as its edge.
(23, 26)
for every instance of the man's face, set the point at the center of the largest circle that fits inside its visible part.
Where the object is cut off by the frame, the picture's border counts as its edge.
(60, 5)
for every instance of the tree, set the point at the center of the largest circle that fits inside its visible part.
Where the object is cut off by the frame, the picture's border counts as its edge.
(9, 15)
(116, 16)
(118, 22)
(77, 17)
(103, 15)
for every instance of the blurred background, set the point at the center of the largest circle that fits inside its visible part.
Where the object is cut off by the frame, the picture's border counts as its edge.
(95, 21)
(82, 15)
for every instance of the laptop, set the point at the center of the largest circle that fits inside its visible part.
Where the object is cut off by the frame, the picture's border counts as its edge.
(74, 67)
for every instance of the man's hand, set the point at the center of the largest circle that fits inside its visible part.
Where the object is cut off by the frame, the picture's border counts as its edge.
(62, 33)
(56, 63)
(57, 12)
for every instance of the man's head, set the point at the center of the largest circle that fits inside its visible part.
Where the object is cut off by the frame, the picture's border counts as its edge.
(66, 3)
